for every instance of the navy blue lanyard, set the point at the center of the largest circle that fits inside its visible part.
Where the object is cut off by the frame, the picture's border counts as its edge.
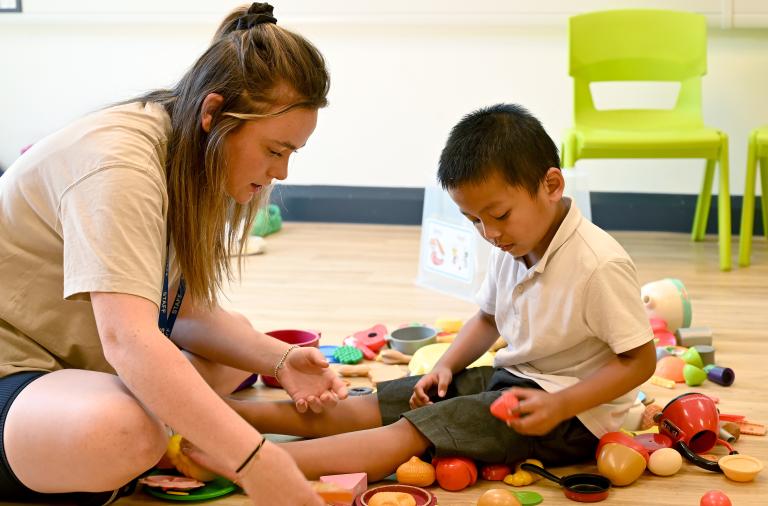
(166, 320)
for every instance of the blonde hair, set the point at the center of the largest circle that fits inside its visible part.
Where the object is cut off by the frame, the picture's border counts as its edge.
(255, 69)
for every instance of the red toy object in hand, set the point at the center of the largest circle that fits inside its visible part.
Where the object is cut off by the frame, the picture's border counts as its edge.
(495, 472)
(715, 498)
(505, 407)
(455, 473)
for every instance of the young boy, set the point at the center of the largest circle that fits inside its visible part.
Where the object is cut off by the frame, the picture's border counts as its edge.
(559, 290)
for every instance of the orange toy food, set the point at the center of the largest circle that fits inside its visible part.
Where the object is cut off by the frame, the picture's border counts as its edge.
(392, 499)
(416, 472)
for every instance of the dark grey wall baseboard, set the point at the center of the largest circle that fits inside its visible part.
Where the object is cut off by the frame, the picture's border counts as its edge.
(403, 206)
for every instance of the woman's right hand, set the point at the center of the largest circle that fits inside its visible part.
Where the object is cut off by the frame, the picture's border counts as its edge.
(439, 377)
(272, 479)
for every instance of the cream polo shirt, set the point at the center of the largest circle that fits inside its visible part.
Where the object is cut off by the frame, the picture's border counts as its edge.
(83, 210)
(567, 315)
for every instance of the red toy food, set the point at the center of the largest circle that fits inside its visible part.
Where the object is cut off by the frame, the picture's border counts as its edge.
(495, 472)
(505, 407)
(455, 473)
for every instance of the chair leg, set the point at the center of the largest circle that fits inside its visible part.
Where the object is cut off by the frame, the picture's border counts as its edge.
(724, 209)
(748, 205)
(764, 189)
(702, 203)
(568, 151)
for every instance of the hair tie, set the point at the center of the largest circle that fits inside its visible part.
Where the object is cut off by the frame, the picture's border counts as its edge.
(258, 13)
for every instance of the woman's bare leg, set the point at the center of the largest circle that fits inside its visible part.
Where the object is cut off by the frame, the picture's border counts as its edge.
(385, 448)
(80, 431)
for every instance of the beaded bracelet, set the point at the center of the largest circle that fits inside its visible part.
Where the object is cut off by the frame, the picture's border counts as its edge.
(281, 362)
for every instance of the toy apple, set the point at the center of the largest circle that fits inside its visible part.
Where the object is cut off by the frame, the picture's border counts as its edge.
(455, 473)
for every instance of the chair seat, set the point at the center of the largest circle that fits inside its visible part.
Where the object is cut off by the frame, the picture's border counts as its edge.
(683, 143)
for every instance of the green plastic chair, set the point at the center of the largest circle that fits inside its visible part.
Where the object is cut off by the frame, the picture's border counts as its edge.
(757, 150)
(648, 45)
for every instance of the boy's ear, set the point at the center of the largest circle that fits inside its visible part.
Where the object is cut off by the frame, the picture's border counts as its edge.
(211, 105)
(554, 184)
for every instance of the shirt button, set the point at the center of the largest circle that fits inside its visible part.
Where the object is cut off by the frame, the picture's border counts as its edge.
(519, 288)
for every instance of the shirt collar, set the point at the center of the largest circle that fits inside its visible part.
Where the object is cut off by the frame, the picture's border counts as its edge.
(566, 229)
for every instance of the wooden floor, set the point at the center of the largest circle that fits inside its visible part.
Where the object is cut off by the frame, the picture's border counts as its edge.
(342, 278)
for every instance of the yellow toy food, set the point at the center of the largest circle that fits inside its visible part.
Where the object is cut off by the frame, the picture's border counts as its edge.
(416, 472)
(521, 478)
(183, 463)
(665, 462)
(391, 499)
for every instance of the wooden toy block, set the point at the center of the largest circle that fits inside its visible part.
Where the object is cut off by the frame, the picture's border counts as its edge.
(662, 382)
(390, 356)
(387, 373)
(333, 493)
(751, 428)
(691, 336)
(360, 370)
(356, 483)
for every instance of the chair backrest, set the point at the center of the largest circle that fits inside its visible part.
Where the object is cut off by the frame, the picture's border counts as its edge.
(638, 45)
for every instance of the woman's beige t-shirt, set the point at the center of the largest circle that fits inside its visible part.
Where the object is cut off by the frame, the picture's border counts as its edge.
(84, 210)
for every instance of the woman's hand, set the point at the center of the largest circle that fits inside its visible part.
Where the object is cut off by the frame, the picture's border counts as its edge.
(271, 479)
(439, 377)
(539, 412)
(309, 381)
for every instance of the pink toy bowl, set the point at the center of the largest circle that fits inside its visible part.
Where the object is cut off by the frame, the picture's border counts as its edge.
(300, 337)
(422, 497)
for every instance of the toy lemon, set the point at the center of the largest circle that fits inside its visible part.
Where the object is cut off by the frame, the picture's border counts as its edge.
(183, 463)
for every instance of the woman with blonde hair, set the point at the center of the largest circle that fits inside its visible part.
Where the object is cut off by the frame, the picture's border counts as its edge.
(116, 235)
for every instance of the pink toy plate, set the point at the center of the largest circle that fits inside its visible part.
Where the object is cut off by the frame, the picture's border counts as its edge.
(423, 497)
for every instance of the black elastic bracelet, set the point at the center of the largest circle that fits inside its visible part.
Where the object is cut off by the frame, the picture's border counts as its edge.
(253, 454)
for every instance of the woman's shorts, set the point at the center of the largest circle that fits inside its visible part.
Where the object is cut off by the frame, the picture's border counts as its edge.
(461, 424)
(11, 489)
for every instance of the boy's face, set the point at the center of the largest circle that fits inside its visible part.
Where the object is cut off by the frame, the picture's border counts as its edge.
(509, 217)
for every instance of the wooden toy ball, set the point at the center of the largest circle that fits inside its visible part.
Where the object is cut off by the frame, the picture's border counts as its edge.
(498, 497)
(665, 462)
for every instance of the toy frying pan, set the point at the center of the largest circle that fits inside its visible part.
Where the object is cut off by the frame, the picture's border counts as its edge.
(582, 487)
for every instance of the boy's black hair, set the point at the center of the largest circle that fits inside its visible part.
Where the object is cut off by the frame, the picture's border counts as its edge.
(503, 137)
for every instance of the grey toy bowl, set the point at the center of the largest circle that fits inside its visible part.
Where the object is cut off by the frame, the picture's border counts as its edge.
(409, 339)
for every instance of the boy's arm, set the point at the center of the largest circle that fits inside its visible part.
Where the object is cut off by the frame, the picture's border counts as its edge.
(617, 377)
(474, 339)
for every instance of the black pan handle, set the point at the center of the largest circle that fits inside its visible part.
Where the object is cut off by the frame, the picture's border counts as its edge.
(533, 468)
(703, 463)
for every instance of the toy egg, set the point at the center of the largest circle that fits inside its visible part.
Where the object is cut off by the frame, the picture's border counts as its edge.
(665, 462)
(416, 472)
(620, 464)
(391, 499)
(498, 497)
(715, 498)
(667, 299)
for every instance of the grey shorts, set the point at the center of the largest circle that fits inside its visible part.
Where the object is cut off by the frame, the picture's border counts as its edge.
(461, 424)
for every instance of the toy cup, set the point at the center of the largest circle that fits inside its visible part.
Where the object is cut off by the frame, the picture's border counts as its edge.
(409, 339)
(300, 337)
(691, 420)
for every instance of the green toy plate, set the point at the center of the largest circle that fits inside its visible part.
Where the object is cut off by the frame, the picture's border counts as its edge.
(213, 489)
(529, 498)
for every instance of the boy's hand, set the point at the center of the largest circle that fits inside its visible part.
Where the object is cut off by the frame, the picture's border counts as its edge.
(539, 412)
(439, 377)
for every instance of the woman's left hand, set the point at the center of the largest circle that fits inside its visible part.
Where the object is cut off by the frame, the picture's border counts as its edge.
(539, 412)
(309, 381)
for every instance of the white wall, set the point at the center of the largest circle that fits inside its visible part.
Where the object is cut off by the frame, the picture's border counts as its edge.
(398, 83)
